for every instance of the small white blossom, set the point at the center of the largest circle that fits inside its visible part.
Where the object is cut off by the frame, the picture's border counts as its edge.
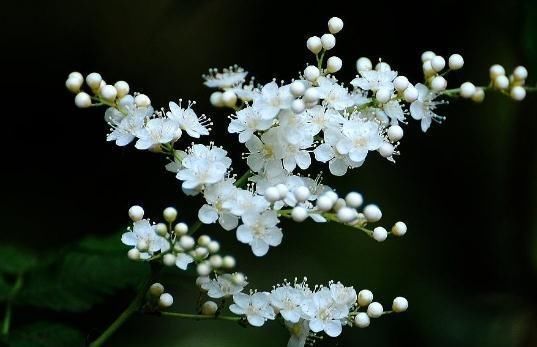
(155, 132)
(256, 307)
(260, 231)
(422, 109)
(223, 286)
(187, 120)
(247, 122)
(203, 165)
(227, 78)
(143, 231)
(272, 99)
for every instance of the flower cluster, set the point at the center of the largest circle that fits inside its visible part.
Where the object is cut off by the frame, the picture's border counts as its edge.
(285, 127)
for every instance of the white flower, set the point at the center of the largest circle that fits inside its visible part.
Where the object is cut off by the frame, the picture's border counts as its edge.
(247, 122)
(299, 333)
(422, 108)
(125, 127)
(359, 137)
(287, 300)
(260, 231)
(157, 131)
(143, 231)
(256, 307)
(321, 118)
(374, 80)
(334, 94)
(265, 153)
(183, 260)
(323, 313)
(338, 163)
(394, 111)
(216, 195)
(223, 286)
(245, 201)
(227, 78)
(187, 120)
(272, 99)
(344, 297)
(203, 165)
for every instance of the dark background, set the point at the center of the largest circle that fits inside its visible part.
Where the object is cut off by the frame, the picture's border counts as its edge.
(466, 189)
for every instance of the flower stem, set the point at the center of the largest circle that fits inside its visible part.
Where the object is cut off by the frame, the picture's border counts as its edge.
(6, 323)
(133, 307)
(199, 316)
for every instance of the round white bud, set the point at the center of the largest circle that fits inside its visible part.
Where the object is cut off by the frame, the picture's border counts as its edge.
(282, 189)
(161, 229)
(204, 240)
(94, 80)
(298, 106)
(204, 269)
(365, 297)
(133, 254)
(82, 100)
(346, 214)
(427, 55)
(216, 99)
(301, 193)
(410, 94)
(209, 308)
(401, 83)
(156, 290)
(354, 199)
(495, 71)
(375, 310)
(299, 214)
(165, 300)
(213, 246)
(77, 75)
(334, 64)
(399, 229)
(136, 213)
(383, 95)
(400, 304)
(335, 25)
(311, 73)
(518, 93)
(272, 194)
(73, 84)
(311, 95)
(201, 252)
(501, 82)
(228, 262)
(340, 203)
(380, 234)
(382, 67)
(324, 203)
(364, 64)
(142, 245)
(467, 90)
(314, 44)
(438, 63)
(168, 259)
(186, 242)
(386, 149)
(520, 73)
(332, 195)
(455, 62)
(142, 100)
(229, 98)
(328, 41)
(361, 320)
(216, 261)
(428, 68)
(372, 213)
(297, 88)
(122, 88)
(181, 229)
(169, 214)
(438, 83)
(479, 95)
(238, 278)
(395, 133)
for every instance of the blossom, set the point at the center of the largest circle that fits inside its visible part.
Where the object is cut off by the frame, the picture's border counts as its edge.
(216, 195)
(182, 260)
(359, 137)
(157, 131)
(144, 233)
(265, 153)
(247, 122)
(223, 286)
(374, 80)
(203, 165)
(322, 118)
(334, 94)
(256, 307)
(323, 314)
(187, 120)
(227, 78)
(271, 100)
(260, 231)
(422, 108)
(245, 201)
(299, 333)
(125, 126)
(287, 300)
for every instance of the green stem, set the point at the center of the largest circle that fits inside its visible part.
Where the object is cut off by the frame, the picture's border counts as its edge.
(199, 316)
(6, 323)
(133, 307)
(7, 319)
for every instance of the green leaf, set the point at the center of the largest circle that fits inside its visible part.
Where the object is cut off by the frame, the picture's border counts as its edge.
(83, 277)
(15, 260)
(46, 334)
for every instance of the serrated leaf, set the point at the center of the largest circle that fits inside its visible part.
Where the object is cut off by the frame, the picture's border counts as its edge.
(46, 334)
(15, 260)
(83, 277)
